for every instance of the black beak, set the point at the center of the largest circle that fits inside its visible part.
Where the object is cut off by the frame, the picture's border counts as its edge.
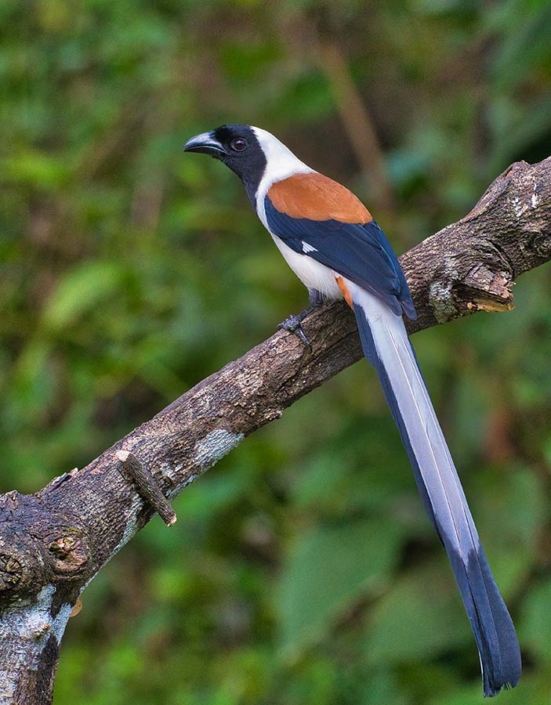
(205, 144)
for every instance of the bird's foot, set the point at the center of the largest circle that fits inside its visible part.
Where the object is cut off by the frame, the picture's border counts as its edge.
(293, 324)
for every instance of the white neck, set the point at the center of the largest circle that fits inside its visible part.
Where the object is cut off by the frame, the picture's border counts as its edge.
(280, 164)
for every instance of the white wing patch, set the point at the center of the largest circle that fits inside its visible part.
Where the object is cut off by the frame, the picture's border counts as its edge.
(308, 248)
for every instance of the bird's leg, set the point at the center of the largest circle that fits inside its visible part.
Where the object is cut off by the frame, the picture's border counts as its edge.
(293, 324)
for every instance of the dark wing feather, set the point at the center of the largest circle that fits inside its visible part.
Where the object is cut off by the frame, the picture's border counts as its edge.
(358, 252)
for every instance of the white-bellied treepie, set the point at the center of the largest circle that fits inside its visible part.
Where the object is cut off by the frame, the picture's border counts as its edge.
(332, 243)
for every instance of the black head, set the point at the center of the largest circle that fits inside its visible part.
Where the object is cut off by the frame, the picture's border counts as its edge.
(238, 147)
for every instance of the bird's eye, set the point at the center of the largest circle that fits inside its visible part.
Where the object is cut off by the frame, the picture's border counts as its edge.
(239, 144)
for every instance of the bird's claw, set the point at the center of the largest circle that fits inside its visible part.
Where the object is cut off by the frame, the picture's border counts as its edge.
(293, 324)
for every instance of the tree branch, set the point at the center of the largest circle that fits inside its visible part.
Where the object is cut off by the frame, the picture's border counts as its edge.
(54, 542)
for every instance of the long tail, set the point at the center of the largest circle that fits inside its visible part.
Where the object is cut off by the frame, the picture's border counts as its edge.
(386, 345)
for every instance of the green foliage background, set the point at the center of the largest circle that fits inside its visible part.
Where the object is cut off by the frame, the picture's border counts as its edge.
(302, 568)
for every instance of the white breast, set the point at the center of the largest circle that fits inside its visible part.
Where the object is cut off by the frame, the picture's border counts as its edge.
(312, 274)
(282, 163)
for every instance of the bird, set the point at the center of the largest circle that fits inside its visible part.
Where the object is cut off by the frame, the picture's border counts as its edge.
(335, 247)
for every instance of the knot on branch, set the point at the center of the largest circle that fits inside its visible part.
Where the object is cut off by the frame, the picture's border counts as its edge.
(11, 571)
(38, 547)
(541, 243)
(69, 552)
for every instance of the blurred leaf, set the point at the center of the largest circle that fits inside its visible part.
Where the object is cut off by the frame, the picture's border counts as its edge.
(525, 48)
(382, 687)
(419, 617)
(215, 494)
(536, 621)
(530, 690)
(326, 570)
(36, 169)
(510, 509)
(520, 131)
(81, 290)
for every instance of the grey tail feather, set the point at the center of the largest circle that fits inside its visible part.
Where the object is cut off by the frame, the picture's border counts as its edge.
(386, 345)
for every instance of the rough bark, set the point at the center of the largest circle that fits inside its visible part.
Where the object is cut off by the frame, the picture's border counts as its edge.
(54, 542)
